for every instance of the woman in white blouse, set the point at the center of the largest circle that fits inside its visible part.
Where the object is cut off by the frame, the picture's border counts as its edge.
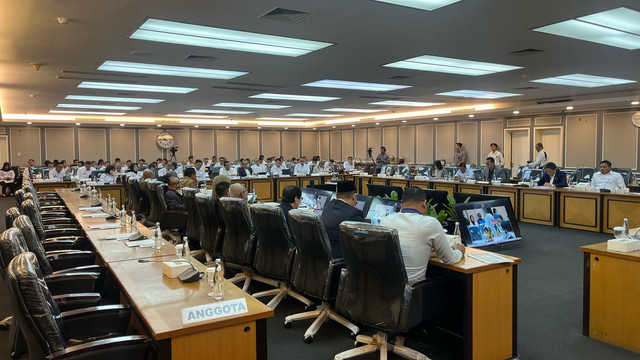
(496, 155)
(6, 179)
(109, 175)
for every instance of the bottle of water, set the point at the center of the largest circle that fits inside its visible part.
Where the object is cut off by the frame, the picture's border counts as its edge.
(625, 224)
(457, 229)
(203, 187)
(157, 237)
(123, 217)
(218, 289)
(530, 182)
(185, 248)
(134, 226)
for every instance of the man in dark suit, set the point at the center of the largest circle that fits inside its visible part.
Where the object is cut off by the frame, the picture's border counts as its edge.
(172, 197)
(244, 169)
(492, 171)
(553, 176)
(291, 196)
(338, 210)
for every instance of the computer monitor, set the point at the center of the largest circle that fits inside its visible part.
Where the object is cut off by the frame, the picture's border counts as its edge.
(381, 208)
(286, 171)
(438, 198)
(382, 190)
(315, 199)
(363, 202)
(327, 187)
(527, 174)
(487, 223)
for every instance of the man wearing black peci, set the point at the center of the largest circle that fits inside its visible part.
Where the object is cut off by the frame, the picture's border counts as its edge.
(340, 209)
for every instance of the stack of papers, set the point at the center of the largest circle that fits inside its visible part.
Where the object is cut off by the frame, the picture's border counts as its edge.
(105, 226)
(95, 208)
(141, 243)
(490, 258)
(97, 215)
(122, 236)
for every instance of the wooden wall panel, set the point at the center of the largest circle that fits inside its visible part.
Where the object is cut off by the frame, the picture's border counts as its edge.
(324, 145)
(122, 144)
(250, 144)
(360, 144)
(271, 143)
(347, 144)
(181, 140)
(390, 140)
(92, 144)
(203, 143)
(445, 142)
(149, 149)
(60, 144)
(581, 133)
(24, 144)
(227, 144)
(336, 145)
(290, 144)
(490, 132)
(309, 144)
(468, 136)
(374, 140)
(620, 140)
(425, 145)
(406, 143)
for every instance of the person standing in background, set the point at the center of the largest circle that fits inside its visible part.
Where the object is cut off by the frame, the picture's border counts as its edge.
(496, 155)
(541, 159)
(382, 159)
(460, 154)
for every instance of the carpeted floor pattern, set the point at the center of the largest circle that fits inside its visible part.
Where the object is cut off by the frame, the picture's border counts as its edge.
(549, 308)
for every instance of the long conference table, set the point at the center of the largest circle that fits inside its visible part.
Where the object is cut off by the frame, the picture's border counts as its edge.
(157, 300)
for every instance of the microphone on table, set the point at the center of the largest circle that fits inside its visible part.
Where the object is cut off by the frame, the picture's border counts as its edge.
(604, 187)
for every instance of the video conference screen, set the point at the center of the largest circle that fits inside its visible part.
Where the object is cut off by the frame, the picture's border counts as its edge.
(381, 208)
(487, 223)
(315, 199)
(363, 203)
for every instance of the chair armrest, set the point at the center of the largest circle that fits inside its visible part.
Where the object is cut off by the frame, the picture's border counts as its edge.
(52, 233)
(68, 283)
(123, 348)
(64, 243)
(68, 302)
(341, 284)
(333, 278)
(62, 259)
(58, 220)
(95, 323)
(173, 219)
(423, 300)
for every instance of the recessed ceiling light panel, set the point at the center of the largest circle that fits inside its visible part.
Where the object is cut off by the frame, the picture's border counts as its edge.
(207, 111)
(251, 106)
(293, 97)
(450, 65)
(355, 85)
(405, 103)
(428, 5)
(312, 115)
(155, 69)
(104, 107)
(135, 87)
(197, 116)
(114, 99)
(197, 35)
(282, 119)
(477, 94)
(354, 110)
(84, 112)
(583, 80)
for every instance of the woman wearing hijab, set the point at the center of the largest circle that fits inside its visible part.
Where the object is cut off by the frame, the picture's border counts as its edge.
(6, 179)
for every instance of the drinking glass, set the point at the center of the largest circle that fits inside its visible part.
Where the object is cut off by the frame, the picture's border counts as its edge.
(211, 280)
(618, 232)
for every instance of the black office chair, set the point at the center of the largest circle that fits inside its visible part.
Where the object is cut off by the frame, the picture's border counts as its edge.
(145, 201)
(586, 173)
(374, 289)
(212, 226)
(194, 222)
(423, 170)
(51, 334)
(535, 174)
(155, 208)
(572, 174)
(45, 205)
(11, 214)
(315, 271)
(451, 170)
(274, 252)
(388, 169)
(169, 219)
(477, 175)
(134, 194)
(404, 170)
(51, 195)
(238, 247)
(47, 211)
(52, 240)
(626, 174)
(51, 227)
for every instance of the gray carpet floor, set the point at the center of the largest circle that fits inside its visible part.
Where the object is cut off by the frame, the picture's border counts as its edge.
(549, 308)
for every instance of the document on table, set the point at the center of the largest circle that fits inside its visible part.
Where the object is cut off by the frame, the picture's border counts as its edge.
(123, 236)
(490, 258)
(97, 215)
(94, 208)
(141, 243)
(105, 226)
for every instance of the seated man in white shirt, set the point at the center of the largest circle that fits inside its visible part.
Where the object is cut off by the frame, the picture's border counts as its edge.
(27, 171)
(227, 170)
(464, 172)
(57, 173)
(420, 236)
(348, 165)
(181, 167)
(276, 170)
(85, 171)
(606, 178)
(200, 173)
(301, 168)
(259, 167)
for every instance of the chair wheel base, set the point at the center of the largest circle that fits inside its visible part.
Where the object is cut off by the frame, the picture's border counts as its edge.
(310, 307)
(287, 325)
(308, 339)
(353, 335)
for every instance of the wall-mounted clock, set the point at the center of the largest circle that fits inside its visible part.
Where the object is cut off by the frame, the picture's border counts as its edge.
(165, 140)
(635, 119)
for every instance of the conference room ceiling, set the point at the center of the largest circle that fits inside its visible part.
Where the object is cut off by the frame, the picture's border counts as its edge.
(365, 35)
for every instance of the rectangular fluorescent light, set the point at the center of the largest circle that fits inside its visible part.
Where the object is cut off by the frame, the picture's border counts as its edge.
(293, 97)
(354, 85)
(207, 111)
(404, 103)
(618, 27)
(155, 69)
(281, 118)
(197, 116)
(104, 107)
(114, 99)
(477, 94)
(134, 87)
(428, 5)
(281, 123)
(312, 115)
(451, 65)
(84, 112)
(131, 120)
(341, 121)
(35, 117)
(583, 80)
(205, 36)
(355, 110)
(251, 106)
(208, 122)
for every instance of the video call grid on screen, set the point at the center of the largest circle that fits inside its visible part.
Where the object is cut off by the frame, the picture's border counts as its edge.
(315, 199)
(381, 208)
(488, 223)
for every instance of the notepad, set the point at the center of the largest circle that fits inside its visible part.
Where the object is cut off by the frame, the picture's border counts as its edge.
(95, 208)
(141, 243)
(98, 215)
(490, 258)
(122, 236)
(105, 226)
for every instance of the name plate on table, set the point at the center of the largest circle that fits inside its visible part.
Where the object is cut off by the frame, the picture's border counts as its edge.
(214, 311)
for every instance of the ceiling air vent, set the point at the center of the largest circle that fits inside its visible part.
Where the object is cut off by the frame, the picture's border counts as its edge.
(286, 15)
(554, 101)
(526, 52)
(380, 97)
(400, 77)
(202, 58)
(526, 88)
(256, 90)
(258, 85)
